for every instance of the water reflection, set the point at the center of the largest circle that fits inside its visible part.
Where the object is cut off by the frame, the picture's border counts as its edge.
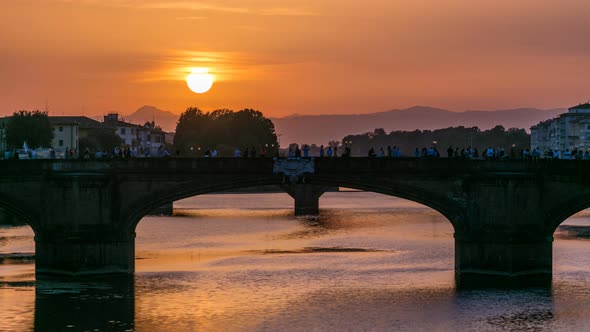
(103, 304)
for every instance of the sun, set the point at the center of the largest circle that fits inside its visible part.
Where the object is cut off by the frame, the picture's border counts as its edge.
(199, 81)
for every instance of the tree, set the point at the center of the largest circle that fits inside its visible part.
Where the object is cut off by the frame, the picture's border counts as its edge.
(224, 130)
(100, 139)
(31, 127)
(456, 137)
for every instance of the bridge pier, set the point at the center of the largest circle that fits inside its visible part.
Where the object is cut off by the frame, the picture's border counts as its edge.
(501, 239)
(503, 260)
(164, 210)
(307, 198)
(92, 252)
(82, 230)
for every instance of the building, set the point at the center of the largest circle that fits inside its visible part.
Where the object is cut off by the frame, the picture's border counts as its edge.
(151, 139)
(569, 131)
(146, 140)
(67, 132)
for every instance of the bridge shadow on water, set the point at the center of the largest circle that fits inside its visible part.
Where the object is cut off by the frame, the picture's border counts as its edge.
(97, 304)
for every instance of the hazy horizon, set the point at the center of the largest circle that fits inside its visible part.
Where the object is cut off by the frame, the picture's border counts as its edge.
(126, 112)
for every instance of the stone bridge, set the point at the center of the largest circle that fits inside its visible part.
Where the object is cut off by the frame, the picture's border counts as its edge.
(504, 213)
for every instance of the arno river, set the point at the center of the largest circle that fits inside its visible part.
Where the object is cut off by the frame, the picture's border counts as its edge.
(236, 262)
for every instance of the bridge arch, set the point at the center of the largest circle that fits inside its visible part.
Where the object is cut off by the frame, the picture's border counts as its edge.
(22, 211)
(562, 212)
(145, 204)
(446, 206)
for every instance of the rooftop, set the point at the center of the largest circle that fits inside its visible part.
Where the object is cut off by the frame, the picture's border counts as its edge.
(585, 106)
(81, 121)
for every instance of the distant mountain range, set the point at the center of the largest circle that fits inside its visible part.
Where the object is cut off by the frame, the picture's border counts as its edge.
(320, 129)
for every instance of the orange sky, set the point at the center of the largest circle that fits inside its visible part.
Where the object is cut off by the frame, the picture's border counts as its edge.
(293, 56)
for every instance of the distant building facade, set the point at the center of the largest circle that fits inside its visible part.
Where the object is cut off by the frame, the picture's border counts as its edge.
(569, 131)
(146, 140)
(67, 132)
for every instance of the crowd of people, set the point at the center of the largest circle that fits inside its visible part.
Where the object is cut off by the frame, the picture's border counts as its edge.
(305, 151)
(491, 153)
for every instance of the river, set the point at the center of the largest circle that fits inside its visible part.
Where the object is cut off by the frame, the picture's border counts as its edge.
(242, 262)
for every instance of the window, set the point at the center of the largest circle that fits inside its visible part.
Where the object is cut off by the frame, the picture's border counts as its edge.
(61, 128)
(132, 131)
(122, 131)
(61, 142)
(149, 138)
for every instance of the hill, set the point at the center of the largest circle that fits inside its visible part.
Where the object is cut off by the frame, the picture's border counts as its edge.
(320, 129)
(166, 120)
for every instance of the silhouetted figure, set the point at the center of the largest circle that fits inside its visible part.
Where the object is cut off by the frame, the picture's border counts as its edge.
(347, 152)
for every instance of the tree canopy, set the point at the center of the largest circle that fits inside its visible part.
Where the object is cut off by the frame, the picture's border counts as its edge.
(31, 127)
(224, 130)
(457, 137)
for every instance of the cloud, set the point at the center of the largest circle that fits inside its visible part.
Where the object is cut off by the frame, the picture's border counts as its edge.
(191, 18)
(287, 12)
(225, 66)
(227, 6)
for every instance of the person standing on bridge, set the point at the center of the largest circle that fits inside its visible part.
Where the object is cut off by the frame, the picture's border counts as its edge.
(490, 152)
(305, 150)
(322, 151)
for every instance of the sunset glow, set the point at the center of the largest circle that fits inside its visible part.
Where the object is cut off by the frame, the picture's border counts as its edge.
(306, 57)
